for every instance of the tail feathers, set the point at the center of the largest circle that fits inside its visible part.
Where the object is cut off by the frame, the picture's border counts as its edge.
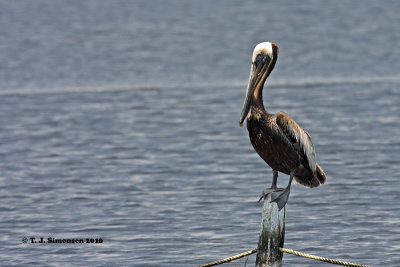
(320, 175)
(306, 179)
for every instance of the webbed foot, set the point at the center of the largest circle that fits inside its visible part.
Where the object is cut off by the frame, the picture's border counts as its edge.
(268, 191)
(278, 195)
(280, 198)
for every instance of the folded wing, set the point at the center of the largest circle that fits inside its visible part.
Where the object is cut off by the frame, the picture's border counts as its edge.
(299, 138)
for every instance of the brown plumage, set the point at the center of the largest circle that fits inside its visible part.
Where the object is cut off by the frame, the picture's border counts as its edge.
(277, 138)
(274, 139)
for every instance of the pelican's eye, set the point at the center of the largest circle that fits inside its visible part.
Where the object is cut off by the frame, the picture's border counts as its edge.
(261, 58)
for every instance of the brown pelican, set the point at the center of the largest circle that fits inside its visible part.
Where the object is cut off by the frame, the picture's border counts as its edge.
(277, 138)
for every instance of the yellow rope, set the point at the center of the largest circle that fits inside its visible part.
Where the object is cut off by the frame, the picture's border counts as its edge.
(321, 258)
(238, 256)
(297, 253)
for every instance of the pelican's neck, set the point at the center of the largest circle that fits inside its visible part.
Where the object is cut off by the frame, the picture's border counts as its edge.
(257, 100)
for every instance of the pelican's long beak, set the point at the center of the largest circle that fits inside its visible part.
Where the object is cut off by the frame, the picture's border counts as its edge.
(258, 74)
(247, 98)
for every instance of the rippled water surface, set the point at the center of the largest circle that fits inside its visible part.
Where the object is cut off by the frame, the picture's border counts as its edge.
(118, 120)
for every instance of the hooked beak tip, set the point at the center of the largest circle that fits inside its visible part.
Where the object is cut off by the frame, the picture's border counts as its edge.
(240, 124)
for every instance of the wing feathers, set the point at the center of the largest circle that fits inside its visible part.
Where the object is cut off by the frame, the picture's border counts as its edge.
(298, 137)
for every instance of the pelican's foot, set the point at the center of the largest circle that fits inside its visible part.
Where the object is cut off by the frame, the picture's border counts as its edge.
(268, 191)
(280, 198)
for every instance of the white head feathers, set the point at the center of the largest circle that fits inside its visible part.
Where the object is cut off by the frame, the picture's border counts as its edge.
(262, 48)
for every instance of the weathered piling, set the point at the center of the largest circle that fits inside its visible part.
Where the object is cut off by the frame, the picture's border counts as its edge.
(272, 234)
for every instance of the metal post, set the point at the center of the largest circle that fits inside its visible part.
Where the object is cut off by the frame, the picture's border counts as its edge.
(272, 235)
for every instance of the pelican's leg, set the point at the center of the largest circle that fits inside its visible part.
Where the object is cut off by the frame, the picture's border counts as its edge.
(282, 198)
(273, 187)
(274, 179)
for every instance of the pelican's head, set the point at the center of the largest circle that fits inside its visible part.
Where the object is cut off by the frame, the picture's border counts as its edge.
(263, 61)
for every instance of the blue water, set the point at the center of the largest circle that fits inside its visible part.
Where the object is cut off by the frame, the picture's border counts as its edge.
(119, 121)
